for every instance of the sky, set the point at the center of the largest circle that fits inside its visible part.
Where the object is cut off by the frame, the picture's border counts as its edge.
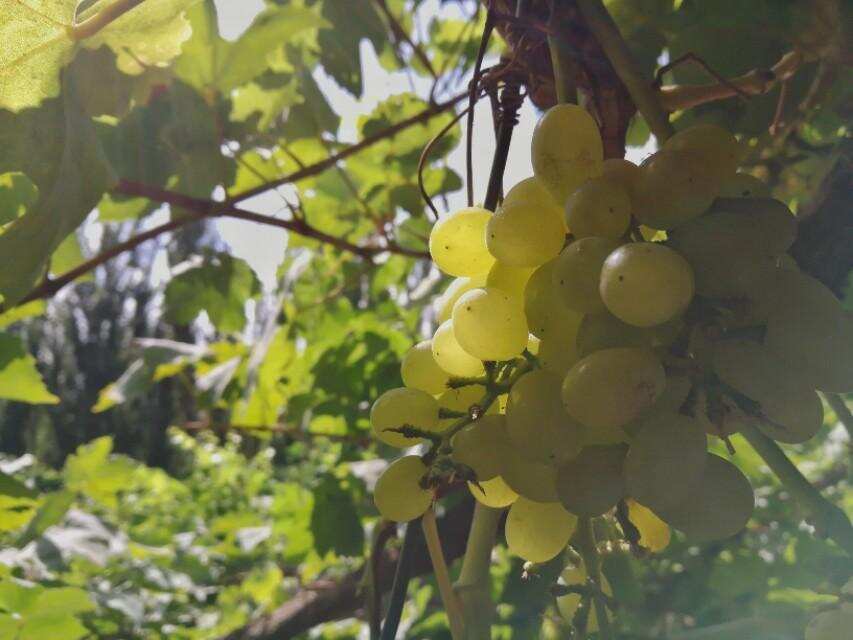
(263, 246)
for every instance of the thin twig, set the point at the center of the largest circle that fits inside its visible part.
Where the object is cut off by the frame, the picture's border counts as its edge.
(401, 582)
(425, 155)
(442, 576)
(92, 25)
(841, 410)
(472, 100)
(584, 543)
(400, 32)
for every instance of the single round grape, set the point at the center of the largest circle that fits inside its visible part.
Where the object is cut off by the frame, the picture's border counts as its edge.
(566, 149)
(521, 234)
(533, 193)
(830, 625)
(444, 303)
(398, 407)
(812, 333)
(611, 387)
(793, 411)
(489, 324)
(623, 172)
(493, 493)
(674, 187)
(718, 508)
(654, 532)
(557, 352)
(398, 494)
(450, 355)
(568, 604)
(536, 423)
(744, 185)
(603, 437)
(576, 273)
(719, 149)
(665, 461)
(546, 316)
(478, 445)
(538, 531)
(646, 284)
(419, 370)
(534, 480)
(604, 331)
(457, 242)
(592, 483)
(600, 207)
(510, 280)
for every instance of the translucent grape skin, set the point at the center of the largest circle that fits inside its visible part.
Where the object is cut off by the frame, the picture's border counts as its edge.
(654, 532)
(419, 370)
(402, 406)
(510, 280)
(718, 148)
(535, 194)
(566, 150)
(576, 273)
(665, 461)
(534, 480)
(674, 188)
(398, 495)
(450, 356)
(546, 317)
(794, 412)
(592, 483)
(605, 331)
(478, 446)
(623, 172)
(444, 303)
(489, 324)
(646, 284)
(538, 531)
(493, 493)
(521, 234)
(612, 387)
(537, 426)
(718, 508)
(600, 207)
(744, 185)
(457, 242)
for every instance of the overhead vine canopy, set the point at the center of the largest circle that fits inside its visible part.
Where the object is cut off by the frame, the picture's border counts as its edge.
(128, 127)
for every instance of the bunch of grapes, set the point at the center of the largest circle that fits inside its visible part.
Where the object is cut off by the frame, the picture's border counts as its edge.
(605, 322)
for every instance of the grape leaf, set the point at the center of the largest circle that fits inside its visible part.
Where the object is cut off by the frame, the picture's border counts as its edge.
(334, 520)
(19, 378)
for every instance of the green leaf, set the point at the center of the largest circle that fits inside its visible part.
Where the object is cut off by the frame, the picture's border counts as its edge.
(334, 520)
(350, 23)
(22, 312)
(17, 193)
(11, 487)
(221, 288)
(17, 598)
(52, 624)
(135, 381)
(91, 471)
(52, 510)
(19, 378)
(67, 256)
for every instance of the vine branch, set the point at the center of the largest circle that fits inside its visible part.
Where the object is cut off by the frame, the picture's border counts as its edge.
(92, 25)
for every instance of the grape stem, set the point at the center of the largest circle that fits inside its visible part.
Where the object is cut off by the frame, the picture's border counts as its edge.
(474, 584)
(563, 62)
(584, 542)
(841, 410)
(92, 25)
(442, 577)
(828, 517)
(602, 26)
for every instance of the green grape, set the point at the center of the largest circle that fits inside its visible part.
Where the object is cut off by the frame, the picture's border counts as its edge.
(533, 193)
(665, 461)
(718, 149)
(463, 400)
(603, 437)
(538, 531)
(531, 479)
(605, 331)
(793, 411)
(592, 483)
(577, 272)
(450, 355)
(830, 625)
(522, 234)
(457, 242)
(493, 493)
(419, 370)
(398, 494)
(568, 604)
(623, 172)
(545, 315)
(489, 324)
(510, 280)
(812, 333)
(719, 506)
(566, 150)
(654, 532)
(646, 284)
(611, 387)
(674, 187)
(536, 423)
(398, 407)
(478, 445)
(600, 207)
(444, 303)
(744, 185)
(557, 351)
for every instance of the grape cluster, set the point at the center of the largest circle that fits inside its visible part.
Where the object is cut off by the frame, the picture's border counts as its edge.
(604, 322)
